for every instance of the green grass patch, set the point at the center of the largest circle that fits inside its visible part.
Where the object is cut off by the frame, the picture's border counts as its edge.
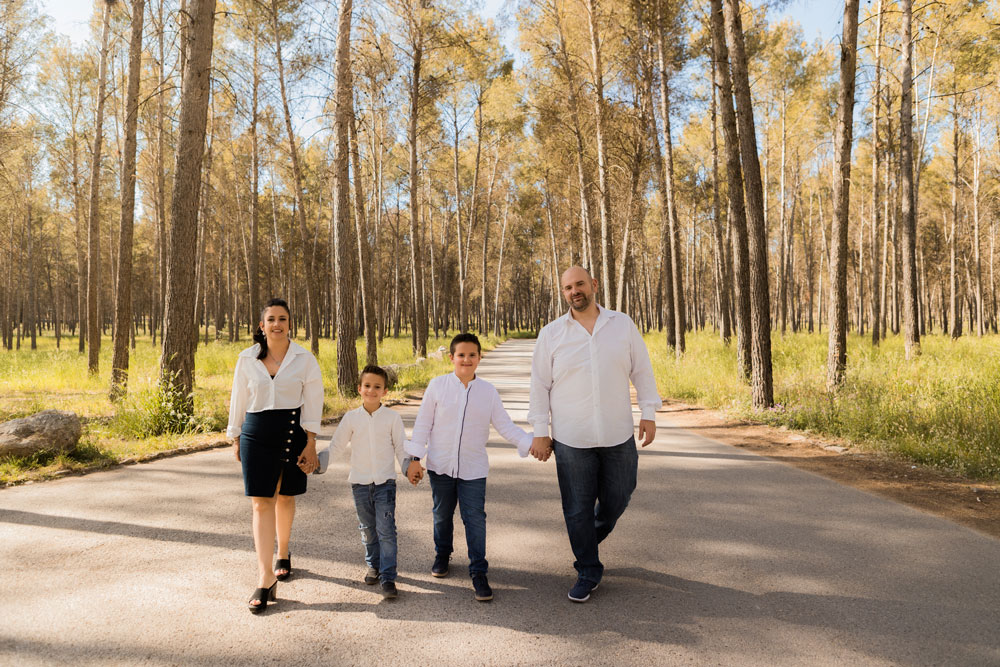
(147, 421)
(940, 409)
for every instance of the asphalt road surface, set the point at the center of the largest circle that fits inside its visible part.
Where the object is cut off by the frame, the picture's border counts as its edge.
(722, 558)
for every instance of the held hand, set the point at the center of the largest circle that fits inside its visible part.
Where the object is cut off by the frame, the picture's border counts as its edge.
(541, 448)
(236, 447)
(647, 431)
(414, 472)
(308, 461)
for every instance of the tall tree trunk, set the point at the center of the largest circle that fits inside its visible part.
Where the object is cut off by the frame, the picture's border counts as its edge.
(955, 309)
(761, 382)
(837, 351)
(345, 244)
(876, 193)
(123, 306)
(416, 258)
(676, 261)
(604, 185)
(736, 211)
(665, 274)
(252, 252)
(177, 360)
(300, 205)
(366, 272)
(908, 223)
(724, 281)
(977, 269)
(94, 226)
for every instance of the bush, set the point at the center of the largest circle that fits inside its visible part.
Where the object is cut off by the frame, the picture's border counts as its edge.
(153, 411)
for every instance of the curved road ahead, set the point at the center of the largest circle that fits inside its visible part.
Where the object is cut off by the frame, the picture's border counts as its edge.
(723, 557)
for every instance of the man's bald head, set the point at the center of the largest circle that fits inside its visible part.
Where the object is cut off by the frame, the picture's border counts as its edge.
(578, 288)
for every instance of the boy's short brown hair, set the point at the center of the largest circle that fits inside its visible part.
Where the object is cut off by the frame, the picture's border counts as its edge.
(375, 370)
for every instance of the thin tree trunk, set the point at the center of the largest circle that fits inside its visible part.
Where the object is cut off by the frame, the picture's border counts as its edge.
(123, 306)
(94, 226)
(911, 330)
(310, 255)
(604, 185)
(677, 263)
(837, 352)
(761, 381)
(876, 193)
(736, 211)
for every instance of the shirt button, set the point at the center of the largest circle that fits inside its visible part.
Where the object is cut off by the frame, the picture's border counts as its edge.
(292, 422)
(291, 431)
(288, 440)
(287, 449)
(293, 412)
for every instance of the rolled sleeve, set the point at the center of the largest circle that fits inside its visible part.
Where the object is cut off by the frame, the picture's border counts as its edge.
(541, 385)
(642, 377)
(237, 401)
(312, 397)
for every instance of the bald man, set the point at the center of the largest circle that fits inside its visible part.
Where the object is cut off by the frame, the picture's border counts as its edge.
(580, 373)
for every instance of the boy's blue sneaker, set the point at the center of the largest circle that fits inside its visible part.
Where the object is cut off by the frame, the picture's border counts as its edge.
(440, 566)
(581, 590)
(371, 576)
(483, 591)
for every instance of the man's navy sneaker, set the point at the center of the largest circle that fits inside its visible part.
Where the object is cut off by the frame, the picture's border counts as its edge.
(581, 590)
(440, 566)
(483, 591)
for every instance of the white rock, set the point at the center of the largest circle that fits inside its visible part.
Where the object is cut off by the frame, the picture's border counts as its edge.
(49, 430)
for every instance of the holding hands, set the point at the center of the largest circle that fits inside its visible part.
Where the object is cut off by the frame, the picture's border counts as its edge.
(414, 472)
(541, 448)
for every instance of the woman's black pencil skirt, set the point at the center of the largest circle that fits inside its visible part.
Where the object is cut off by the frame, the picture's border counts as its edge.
(270, 444)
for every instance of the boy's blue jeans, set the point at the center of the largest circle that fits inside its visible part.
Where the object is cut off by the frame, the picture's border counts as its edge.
(470, 496)
(595, 484)
(376, 505)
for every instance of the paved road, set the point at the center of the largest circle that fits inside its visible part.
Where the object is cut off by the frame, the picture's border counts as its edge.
(723, 558)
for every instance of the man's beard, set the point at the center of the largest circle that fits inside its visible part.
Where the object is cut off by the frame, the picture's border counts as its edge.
(580, 307)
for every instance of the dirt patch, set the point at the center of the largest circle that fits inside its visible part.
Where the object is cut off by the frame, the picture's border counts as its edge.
(968, 502)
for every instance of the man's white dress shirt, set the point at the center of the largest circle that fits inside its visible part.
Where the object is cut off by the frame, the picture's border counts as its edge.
(376, 442)
(298, 383)
(453, 425)
(582, 380)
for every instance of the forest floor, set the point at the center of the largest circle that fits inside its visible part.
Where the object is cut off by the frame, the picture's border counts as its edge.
(974, 504)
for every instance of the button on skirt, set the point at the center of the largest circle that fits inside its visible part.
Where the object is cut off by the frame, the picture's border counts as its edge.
(270, 444)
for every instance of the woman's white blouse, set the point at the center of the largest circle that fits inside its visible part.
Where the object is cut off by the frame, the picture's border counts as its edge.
(298, 383)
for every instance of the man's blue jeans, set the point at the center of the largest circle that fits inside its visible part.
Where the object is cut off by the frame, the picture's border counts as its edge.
(595, 484)
(470, 496)
(376, 505)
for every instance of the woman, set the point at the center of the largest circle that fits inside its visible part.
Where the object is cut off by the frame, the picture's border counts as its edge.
(274, 415)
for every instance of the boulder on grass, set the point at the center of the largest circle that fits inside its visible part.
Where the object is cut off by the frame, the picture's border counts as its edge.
(392, 370)
(49, 430)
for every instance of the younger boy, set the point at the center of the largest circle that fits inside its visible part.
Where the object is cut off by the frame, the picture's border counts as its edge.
(451, 430)
(376, 436)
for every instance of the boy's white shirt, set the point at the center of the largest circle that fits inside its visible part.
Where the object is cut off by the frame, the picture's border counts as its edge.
(375, 440)
(453, 426)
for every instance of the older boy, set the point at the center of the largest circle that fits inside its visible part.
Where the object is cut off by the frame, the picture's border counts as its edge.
(451, 430)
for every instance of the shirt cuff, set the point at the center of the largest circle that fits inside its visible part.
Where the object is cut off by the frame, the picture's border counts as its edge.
(648, 413)
(541, 430)
(233, 431)
(312, 427)
(412, 449)
(524, 446)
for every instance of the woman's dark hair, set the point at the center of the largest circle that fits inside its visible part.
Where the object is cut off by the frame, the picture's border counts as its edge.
(465, 338)
(258, 336)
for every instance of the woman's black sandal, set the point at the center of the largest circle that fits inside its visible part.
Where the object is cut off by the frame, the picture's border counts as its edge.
(283, 564)
(263, 595)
